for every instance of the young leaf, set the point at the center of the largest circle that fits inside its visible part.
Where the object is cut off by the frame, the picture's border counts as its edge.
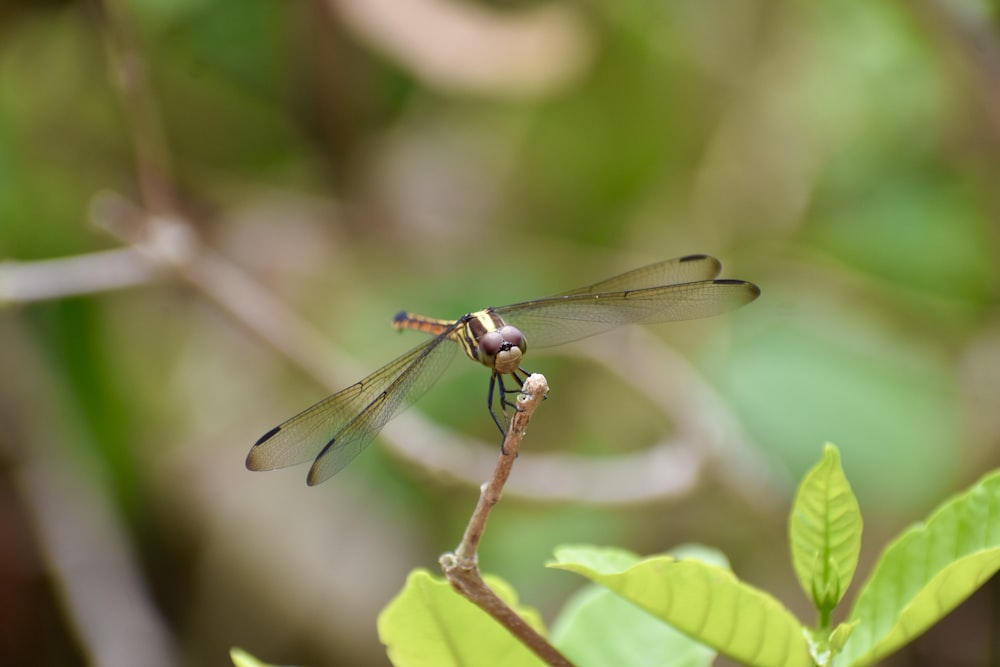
(927, 572)
(824, 644)
(839, 636)
(825, 533)
(429, 624)
(707, 603)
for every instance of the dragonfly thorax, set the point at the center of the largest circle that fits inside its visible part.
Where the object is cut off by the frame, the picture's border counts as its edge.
(502, 349)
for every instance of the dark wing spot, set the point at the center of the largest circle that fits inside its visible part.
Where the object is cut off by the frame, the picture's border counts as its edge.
(730, 281)
(267, 436)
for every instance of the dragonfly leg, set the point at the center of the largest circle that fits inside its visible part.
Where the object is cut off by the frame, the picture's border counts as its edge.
(504, 391)
(497, 380)
(494, 379)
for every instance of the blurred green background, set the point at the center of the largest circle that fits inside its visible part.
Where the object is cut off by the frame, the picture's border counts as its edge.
(353, 159)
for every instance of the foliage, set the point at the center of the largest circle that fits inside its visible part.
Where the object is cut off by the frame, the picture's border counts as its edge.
(428, 625)
(688, 605)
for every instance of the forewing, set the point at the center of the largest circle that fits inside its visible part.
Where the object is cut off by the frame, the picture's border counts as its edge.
(561, 319)
(408, 386)
(317, 430)
(687, 269)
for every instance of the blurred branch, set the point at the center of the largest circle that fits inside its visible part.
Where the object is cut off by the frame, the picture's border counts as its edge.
(168, 242)
(967, 28)
(79, 531)
(669, 469)
(78, 528)
(705, 428)
(461, 567)
(158, 245)
(128, 74)
(705, 434)
(25, 282)
(472, 48)
(94, 569)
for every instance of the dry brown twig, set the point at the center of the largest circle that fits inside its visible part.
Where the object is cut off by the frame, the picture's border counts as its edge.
(461, 567)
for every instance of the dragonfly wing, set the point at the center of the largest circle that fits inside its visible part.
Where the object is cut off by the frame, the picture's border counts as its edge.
(687, 269)
(407, 387)
(317, 431)
(561, 319)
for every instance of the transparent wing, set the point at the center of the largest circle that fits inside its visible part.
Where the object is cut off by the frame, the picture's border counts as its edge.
(687, 269)
(335, 430)
(575, 315)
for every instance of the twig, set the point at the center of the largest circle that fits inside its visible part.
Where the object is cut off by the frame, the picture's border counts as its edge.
(41, 280)
(462, 567)
(531, 51)
(973, 37)
(152, 159)
(171, 243)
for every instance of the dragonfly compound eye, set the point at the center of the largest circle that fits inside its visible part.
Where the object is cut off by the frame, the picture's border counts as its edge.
(489, 344)
(514, 336)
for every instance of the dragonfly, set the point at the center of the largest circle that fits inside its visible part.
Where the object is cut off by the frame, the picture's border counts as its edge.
(334, 431)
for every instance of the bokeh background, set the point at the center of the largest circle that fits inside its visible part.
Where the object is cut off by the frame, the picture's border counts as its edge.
(210, 209)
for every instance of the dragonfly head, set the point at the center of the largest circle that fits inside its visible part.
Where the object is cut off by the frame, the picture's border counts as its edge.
(502, 349)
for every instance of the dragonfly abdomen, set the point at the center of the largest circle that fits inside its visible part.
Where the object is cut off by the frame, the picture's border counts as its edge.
(429, 325)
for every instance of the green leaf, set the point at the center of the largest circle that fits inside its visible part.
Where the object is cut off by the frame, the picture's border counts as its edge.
(429, 624)
(606, 560)
(612, 560)
(241, 658)
(707, 603)
(927, 572)
(597, 628)
(825, 533)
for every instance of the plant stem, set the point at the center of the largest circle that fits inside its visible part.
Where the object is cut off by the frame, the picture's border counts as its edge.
(462, 567)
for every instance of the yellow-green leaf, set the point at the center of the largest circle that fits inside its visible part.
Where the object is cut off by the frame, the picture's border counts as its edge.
(241, 658)
(430, 625)
(597, 628)
(825, 533)
(926, 573)
(707, 603)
